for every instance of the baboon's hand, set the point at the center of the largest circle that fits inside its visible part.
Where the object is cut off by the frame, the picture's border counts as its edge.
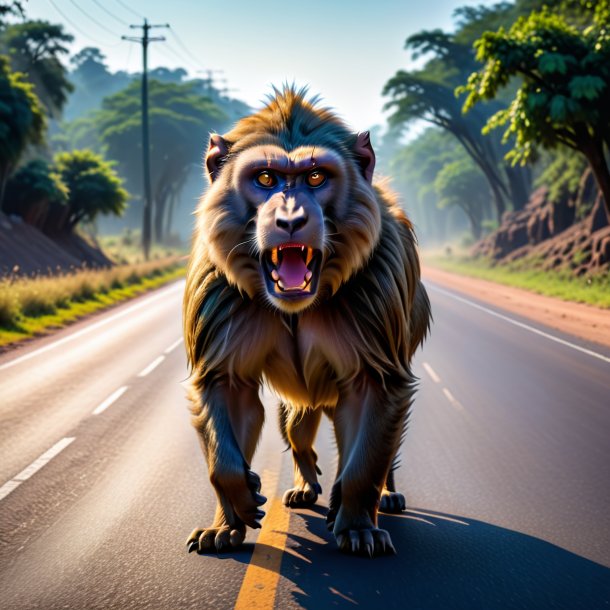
(240, 494)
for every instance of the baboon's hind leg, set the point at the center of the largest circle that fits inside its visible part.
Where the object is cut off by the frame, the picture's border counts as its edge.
(391, 501)
(299, 430)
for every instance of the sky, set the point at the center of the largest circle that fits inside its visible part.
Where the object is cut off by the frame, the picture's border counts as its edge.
(343, 50)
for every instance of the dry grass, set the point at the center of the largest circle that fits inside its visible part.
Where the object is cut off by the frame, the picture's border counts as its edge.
(29, 305)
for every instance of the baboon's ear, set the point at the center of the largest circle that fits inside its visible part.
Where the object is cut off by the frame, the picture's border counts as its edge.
(218, 150)
(365, 155)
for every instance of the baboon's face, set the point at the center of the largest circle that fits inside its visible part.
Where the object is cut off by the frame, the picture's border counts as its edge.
(289, 226)
(292, 193)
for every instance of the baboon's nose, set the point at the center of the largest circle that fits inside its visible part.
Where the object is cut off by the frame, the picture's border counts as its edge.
(290, 220)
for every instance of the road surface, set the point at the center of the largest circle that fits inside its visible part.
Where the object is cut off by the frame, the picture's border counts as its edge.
(506, 469)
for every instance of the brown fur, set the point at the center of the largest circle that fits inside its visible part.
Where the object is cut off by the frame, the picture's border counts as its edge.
(347, 350)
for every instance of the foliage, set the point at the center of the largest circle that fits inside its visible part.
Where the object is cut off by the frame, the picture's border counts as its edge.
(562, 173)
(428, 171)
(31, 191)
(14, 8)
(564, 93)
(428, 94)
(180, 121)
(22, 121)
(35, 48)
(93, 185)
(460, 183)
(93, 82)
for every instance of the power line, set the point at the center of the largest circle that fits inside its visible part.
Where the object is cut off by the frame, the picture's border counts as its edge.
(129, 9)
(194, 59)
(100, 5)
(98, 23)
(78, 29)
(180, 56)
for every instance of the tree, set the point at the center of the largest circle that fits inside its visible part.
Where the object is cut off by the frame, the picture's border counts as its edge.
(428, 94)
(22, 121)
(461, 184)
(14, 8)
(35, 48)
(180, 121)
(33, 191)
(92, 82)
(93, 185)
(564, 94)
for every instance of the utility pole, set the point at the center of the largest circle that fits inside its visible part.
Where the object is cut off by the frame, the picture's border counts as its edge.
(145, 40)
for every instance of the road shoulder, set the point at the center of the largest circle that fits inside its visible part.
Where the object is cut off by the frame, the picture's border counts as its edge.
(583, 321)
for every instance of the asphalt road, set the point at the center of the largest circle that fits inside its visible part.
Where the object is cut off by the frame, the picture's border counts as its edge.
(506, 469)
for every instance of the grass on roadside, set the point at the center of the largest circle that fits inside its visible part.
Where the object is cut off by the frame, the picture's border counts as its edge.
(593, 290)
(31, 306)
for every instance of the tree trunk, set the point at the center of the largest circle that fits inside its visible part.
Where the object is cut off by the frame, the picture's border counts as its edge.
(4, 174)
(597, 161)
(519, 184)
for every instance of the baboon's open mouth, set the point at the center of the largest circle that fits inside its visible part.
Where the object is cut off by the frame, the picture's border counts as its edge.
(291, 270)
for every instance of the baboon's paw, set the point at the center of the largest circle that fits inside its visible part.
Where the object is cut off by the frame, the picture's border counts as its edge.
(215, 539)
(368, 542)
(246, 499)
(301, 497)
(392, 502)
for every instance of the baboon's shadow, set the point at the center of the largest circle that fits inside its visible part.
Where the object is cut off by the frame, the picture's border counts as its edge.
(443, 562)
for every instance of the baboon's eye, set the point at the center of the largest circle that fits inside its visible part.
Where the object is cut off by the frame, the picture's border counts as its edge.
(316, 178)
(266, 179)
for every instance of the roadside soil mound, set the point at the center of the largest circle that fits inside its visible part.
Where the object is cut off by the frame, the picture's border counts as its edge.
(545, 233)
(24, 250)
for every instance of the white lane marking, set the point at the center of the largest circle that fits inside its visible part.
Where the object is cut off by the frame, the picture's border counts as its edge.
(9, 486)
(532, 329)
(144, 303)
(151, 367)
(453, 400)
(112, 398)
(173, 346)
(442, 517)
(35, 466)
(431, 372)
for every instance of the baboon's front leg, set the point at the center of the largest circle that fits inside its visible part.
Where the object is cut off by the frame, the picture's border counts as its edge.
(368, 425)
(229, 426)
(299, 428)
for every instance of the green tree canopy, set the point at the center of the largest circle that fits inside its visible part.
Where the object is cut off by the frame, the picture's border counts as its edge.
(22, 121)
(35, 48)
(564, 92)
(460, 183)
(180, 121)
(428, 94)
(93, 185)
(33, 191)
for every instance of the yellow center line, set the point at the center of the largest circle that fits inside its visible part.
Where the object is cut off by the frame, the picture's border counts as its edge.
(259, 586)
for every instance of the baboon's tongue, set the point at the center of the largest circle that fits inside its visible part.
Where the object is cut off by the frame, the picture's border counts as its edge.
(292, 269)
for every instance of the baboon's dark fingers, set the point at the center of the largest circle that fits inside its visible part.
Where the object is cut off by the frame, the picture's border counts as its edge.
(368, 542)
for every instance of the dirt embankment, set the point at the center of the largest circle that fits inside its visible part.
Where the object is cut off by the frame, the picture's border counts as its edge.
(584, 321)
(546, 234)
(24, 250)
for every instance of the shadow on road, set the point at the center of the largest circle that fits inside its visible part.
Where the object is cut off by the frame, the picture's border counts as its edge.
(443, 562)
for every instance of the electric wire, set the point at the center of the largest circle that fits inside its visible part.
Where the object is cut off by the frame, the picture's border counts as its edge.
(78, 29)
(126, 7)
(185, 48)
(98, 23)
(110, 13)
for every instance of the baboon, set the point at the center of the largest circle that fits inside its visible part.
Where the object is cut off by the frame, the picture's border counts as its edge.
(303, 274)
